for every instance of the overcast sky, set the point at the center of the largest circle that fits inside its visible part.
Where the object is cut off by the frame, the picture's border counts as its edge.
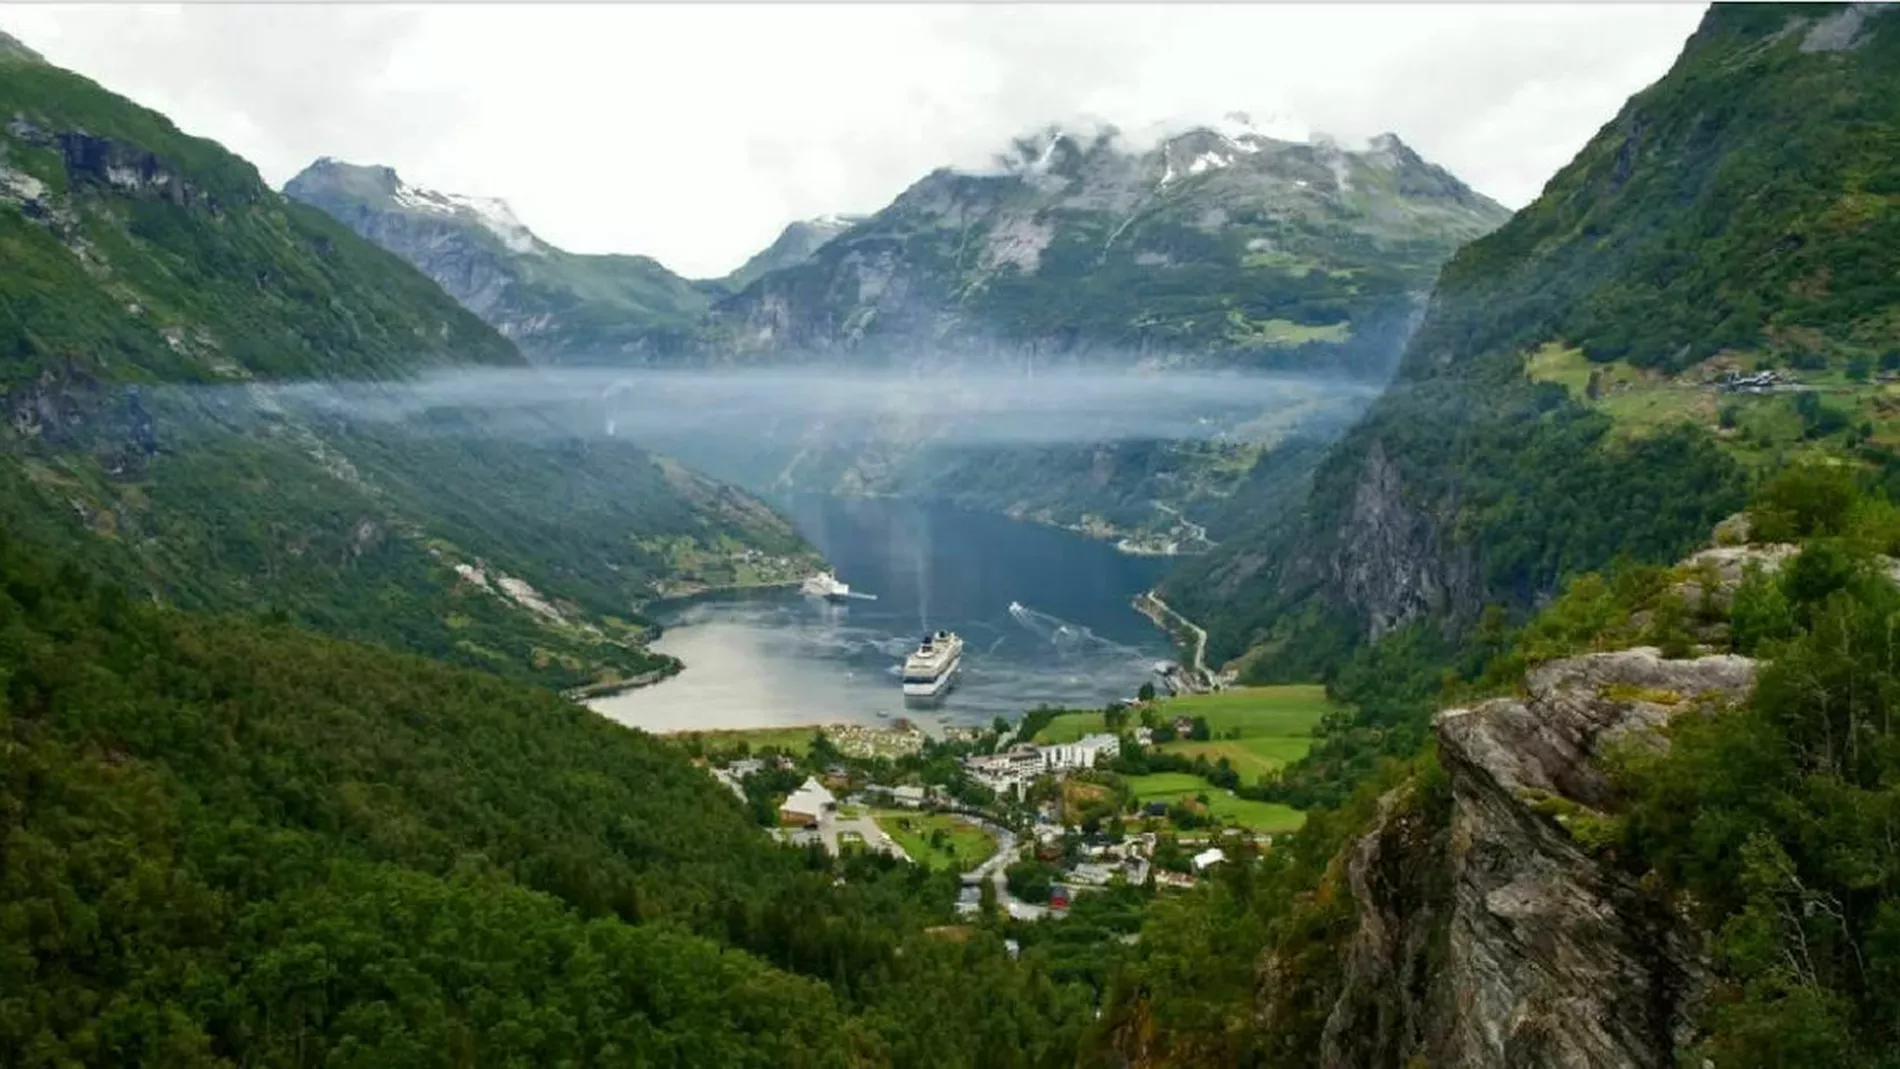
(693, 133)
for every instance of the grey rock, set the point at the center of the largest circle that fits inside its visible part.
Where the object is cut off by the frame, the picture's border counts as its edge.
(1489, 936)
(1720, 570)
(1841, 30)
(1394, 562)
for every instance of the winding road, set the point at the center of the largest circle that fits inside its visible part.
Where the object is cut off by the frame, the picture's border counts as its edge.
(1151, 605)
(994, 869)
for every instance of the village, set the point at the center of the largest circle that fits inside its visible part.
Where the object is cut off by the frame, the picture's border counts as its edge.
(1142, 796)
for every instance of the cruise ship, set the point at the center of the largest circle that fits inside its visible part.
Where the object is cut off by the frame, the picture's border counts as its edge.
(825, 585)
(933, 667)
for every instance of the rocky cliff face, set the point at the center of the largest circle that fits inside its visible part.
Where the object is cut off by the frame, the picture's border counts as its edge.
(1499, 938)
(1394, 560)
(556, 305)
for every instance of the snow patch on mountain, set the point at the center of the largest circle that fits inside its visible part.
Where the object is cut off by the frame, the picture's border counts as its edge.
(493, 214)
(1208, 161)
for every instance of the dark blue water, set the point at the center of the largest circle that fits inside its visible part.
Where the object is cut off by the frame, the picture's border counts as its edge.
(779, 658)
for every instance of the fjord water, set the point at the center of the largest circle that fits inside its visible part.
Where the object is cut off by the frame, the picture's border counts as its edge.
(777, 657)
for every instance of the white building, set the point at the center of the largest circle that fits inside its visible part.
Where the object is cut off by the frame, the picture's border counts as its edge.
(909, 797)
(1082, 753)
(807, 804)
(1208, 857)
(1007, 772)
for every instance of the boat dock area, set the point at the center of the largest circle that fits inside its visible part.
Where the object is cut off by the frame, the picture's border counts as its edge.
(1192, 677)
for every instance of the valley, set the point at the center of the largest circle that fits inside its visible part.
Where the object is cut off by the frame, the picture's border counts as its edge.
(1045, 614)
(403, 659)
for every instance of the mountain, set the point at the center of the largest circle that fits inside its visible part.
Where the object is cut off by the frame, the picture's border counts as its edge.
(1222, 244)
(233, 841)
(138, 252)
(558, 306)
(795, 244)
(1212, 249)
(162, 316)
(1561, 402)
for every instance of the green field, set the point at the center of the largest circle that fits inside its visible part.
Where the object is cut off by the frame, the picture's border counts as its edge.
(965, 846)
(1258, 730)
(1252, 758)
(1069, 727)
(1288, 710)
(1174, 787)
(1757, 429)
(1273, 725)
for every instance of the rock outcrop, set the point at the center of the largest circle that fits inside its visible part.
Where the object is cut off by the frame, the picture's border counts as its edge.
(1395, 562)
(1499, 938)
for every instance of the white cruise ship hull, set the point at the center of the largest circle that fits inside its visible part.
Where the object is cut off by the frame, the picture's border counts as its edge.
(934, 687)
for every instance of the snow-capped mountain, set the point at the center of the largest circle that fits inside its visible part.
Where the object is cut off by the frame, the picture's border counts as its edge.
(1217, 243)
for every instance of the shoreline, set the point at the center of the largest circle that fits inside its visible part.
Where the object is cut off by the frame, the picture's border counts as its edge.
(609, 687)
(613, 688)
(714, 593)
(1149, 604)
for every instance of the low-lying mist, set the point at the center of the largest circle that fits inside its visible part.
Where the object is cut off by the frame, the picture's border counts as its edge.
(965, 407)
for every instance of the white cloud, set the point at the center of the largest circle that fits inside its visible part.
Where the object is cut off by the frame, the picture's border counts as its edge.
(694, 133)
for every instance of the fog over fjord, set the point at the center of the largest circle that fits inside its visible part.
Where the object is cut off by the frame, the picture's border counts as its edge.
(980, 407)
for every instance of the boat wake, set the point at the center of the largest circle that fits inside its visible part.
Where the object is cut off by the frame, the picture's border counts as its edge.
(1063, 635)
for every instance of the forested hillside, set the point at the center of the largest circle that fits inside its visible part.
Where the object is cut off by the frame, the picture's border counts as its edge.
(1561, 403)
(1594, 803)
(230, 842)
(1651, 826)
(157, 297)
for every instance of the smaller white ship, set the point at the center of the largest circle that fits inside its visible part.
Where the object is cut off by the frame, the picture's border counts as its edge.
(930, 670)
(825, 585)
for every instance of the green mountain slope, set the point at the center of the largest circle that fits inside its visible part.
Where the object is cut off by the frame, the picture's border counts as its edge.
(794, 245)
(231, 843)
(556, 305)
(146, 267)
(1552, 410)
(137, 252)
